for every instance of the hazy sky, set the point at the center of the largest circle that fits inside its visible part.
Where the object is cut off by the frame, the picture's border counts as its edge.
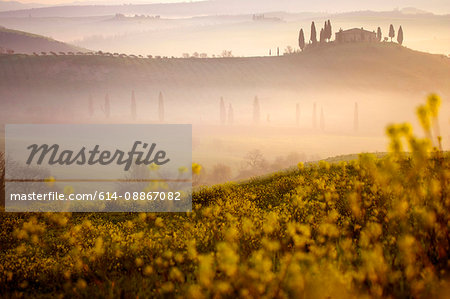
(436, 6)
(357, 2)
(97, 1)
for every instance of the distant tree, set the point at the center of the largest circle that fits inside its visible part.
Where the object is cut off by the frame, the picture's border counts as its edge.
(297, 114)
(379, 35)
(230, 115)
(161, 107)
(301, 39)
(223, 112)
(355, 118)
(107, 107)
(255, 160)
(226, 53)
(400, 35)
(288, 50)
(133, 106)
(322, 36)
(91, 106)
(329, 30)
(270, 52)
(314, 116)
(256, 111)
(220, 173)
(313, 38)
(278, 51)
(322, 119)
(391, 32)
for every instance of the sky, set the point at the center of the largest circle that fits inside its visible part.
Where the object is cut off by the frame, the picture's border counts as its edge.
(52, 2)
(435, 6)
(357, 2)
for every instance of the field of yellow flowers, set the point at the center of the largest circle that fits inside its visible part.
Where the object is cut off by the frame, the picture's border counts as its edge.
(367, 228)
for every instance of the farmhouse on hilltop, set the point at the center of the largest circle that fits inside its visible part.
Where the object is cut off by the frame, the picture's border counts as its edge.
(355, 35)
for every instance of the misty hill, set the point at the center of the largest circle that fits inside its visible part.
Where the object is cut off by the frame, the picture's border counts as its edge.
(240, 33)
(15, 5)
(214, 7)
(27, 43)
(383, 66)
(384, 78)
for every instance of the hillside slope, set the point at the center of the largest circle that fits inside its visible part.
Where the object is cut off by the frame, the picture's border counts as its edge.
(27, 43)
(340, 231)
(335, 76)
(361, 66)
(16, 5)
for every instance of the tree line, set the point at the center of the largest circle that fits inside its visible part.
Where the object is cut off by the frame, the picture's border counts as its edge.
(106, 107)
(326, 33)
(227, 116)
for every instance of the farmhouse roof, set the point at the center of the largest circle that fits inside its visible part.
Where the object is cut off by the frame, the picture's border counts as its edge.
(355, 29)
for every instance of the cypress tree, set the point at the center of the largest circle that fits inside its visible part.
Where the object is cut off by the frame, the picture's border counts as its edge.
(330, 31)
(314, 117)
(322, 36)
(133, 106)
(223, 112)
(161, 107)
(107, 107)
(230, 115)
(313, 37)
(91, 106)
(301, 39)
(256, 111)
(391, 32)
(379, 35)
(322, 119)
(400, 35)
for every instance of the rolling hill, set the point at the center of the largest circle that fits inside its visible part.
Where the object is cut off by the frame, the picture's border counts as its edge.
(385, 78)
(362, 66)
(27, 43)
(15, 5)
